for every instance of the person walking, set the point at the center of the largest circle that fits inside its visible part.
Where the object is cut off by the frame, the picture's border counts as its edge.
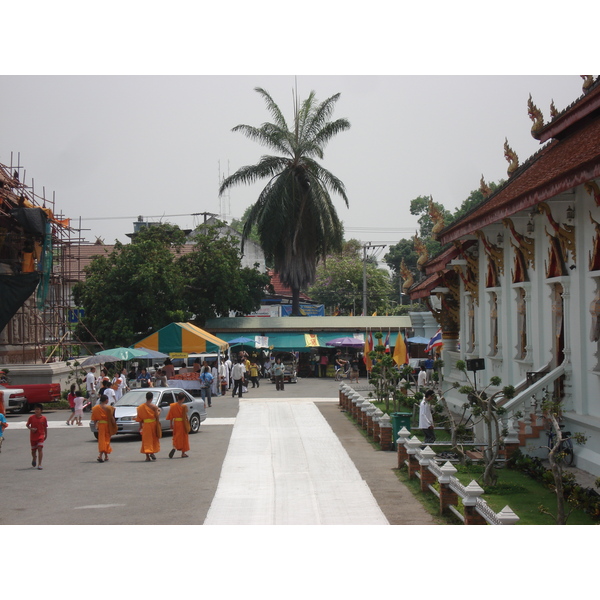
(148, 417)
(3, 426)
(323, 362)
(180, 426)
(71, 401)
(108, 391)
(103, 415)
(237, 373)
(278, 373)
(78, 407)
(38, 434)
(254, 374)
(426, 418)
(206, 381)
(90, 385)
(422, 379)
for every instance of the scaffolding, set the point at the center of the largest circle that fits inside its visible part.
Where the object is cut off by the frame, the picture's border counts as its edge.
(43, 327)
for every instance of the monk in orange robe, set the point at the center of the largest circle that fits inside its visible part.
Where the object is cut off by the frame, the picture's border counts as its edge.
(104, 417)
(180, 426)
(148, 418)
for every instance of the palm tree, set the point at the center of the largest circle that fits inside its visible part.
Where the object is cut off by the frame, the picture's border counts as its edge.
(294, 215)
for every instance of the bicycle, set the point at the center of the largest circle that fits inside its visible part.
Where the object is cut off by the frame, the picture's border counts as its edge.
(342, 372)
(565, 454)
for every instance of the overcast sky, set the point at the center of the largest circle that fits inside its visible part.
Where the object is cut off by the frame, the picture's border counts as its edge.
(111, 148)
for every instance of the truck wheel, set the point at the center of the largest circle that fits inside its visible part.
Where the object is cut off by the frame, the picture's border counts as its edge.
(25, 408)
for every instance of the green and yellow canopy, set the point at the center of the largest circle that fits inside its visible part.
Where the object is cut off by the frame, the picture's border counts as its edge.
(179, 338)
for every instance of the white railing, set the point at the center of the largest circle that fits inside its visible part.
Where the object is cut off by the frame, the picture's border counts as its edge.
(421, 461)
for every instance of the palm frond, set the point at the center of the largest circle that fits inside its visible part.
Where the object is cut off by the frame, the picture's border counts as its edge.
(273, 108)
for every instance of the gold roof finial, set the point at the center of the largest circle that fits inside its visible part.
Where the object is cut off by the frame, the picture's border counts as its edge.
(553, 110)
(588, 80)
(436, 216)
(484, 188)
(511, 157)
(535, 114)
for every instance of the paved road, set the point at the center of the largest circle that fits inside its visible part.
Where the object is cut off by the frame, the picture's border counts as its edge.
(74, 489)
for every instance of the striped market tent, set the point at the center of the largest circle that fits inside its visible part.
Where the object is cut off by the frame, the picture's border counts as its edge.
(179, 338)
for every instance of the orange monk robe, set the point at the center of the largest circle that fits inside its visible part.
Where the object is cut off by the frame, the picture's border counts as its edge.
(101, 416)
(178, 417)
(147, 417)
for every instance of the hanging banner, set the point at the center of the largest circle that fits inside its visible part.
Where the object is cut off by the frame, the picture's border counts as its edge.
(261, 341)
(312, 341)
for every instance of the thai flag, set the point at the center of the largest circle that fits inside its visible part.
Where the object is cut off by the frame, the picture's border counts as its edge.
(435, 341)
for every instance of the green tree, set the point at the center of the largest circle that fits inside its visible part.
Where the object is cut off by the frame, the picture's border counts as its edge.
(294, 215)
(215, 282)
(135, 289)
(140, 287)
(339, 282)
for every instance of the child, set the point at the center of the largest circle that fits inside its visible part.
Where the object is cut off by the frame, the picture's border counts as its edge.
(38, 432)
(223, 385)
(3, 426)
(254, 374)
(78, 407)
(71, 401)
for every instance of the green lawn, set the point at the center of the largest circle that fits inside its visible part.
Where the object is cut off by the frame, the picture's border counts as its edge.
(514, 489)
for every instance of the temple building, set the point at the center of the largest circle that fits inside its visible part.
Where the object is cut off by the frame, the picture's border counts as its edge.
(517, 282)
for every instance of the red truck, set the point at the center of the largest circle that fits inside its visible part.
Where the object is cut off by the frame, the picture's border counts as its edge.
(31, 393)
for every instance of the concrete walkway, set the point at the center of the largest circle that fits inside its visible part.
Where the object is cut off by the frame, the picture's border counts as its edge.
(286, 466)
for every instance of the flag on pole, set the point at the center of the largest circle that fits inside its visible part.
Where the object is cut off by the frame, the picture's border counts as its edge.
(435, 341)
(387, 342)
(400, 355)
(367, 349)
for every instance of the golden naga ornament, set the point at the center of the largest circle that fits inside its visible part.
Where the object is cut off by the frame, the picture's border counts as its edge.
(535, 114)
(524, 243)
(591, 187)
(421, 250)
(553, 110)
(565, 234)
(511, 156)
(407, 276)
(588, 81)
(484, 188)
(437, 217)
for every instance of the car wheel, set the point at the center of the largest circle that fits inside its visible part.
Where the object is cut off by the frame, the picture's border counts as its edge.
(25, 408)
(194, 423)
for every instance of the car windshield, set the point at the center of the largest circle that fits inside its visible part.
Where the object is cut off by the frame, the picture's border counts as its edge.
(136, 397)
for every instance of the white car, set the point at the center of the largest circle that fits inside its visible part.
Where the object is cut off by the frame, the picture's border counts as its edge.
(14, 399)
(126, 409)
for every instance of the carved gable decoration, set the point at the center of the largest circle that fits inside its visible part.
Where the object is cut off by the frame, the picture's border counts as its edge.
(524, 253)
(594, 256)
(495, 261)
(562, 242)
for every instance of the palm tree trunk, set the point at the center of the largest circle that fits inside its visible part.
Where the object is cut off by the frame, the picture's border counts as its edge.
(296, 302)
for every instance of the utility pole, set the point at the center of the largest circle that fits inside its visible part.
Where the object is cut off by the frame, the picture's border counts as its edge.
(365, 247)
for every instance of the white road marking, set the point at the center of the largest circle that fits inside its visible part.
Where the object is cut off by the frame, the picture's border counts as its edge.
(98, 506)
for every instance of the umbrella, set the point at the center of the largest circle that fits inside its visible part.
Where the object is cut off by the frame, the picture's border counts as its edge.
(348, 342)
(151, 353)
(122, 353)
(418, 340)
(241, 341)
(92, 361)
